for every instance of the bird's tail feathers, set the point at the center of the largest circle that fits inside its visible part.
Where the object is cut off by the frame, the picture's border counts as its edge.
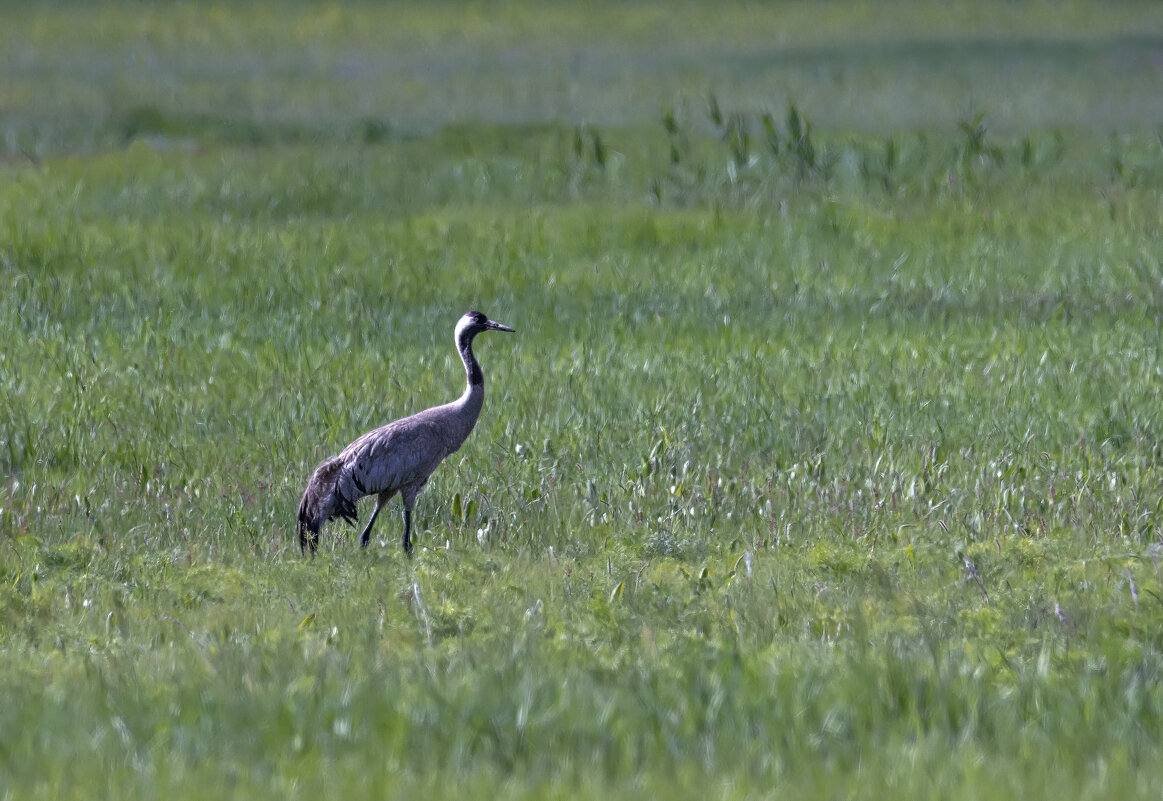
(305, 526)
(324, 500)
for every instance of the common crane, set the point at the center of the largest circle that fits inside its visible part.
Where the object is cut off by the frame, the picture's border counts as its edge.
(398, 457)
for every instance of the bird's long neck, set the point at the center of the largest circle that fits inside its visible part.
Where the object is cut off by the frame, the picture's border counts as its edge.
(473, 399)
(475, 377)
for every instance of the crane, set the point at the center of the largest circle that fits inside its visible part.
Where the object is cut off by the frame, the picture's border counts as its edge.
(398, 457)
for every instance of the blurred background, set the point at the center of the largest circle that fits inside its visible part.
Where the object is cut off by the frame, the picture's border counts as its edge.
(81, 76)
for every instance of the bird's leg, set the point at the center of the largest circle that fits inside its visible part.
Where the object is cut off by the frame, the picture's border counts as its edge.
(407, 531)
(365, 536)
(383, 498)
(409, 498)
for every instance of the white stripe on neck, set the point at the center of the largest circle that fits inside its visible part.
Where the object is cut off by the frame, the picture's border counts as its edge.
(461, 324)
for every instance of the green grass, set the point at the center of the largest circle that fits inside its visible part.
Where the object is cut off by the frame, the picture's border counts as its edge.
(824, 462)
(89, 76)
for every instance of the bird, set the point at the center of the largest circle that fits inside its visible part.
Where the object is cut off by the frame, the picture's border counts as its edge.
(398, 457)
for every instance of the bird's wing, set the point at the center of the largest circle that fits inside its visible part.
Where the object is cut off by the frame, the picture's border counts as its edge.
(394, 456)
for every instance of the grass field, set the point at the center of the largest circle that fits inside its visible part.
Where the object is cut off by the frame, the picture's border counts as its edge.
(824, 462)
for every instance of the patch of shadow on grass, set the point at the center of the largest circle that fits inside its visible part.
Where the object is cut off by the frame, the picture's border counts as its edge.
(161, 126)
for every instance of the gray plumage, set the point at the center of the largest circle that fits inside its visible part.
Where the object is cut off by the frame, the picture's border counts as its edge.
(398, 457)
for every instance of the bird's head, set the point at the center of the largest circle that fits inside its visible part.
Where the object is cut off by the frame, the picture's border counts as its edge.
(474, 322)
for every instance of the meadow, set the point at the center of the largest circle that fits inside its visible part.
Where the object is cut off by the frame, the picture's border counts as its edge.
(823, 463)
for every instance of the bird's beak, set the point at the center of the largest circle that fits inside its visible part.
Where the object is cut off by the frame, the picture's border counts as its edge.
(493, 325)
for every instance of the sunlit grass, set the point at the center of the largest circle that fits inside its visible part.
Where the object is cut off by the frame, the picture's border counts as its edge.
(822, 463)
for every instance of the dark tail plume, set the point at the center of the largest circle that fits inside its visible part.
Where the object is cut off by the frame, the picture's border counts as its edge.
(323, 500)
(305, 527)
